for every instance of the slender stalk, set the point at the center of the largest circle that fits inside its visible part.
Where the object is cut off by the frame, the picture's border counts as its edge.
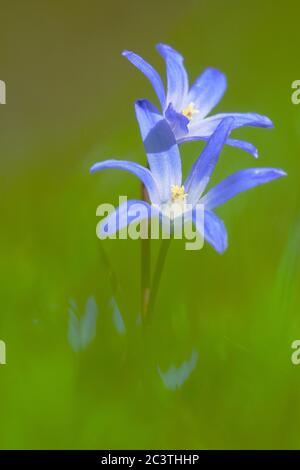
(145, 265)
(157, 275)
(112, 277)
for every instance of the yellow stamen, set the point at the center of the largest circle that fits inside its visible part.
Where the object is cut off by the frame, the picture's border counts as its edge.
(189, 111)
(178, 193)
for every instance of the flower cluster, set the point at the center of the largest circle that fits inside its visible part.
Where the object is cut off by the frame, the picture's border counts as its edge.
(183, 117)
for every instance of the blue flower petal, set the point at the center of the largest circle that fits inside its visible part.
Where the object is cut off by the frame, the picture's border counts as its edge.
(239, 182)
(202, 169)
(175, 377)
(215, 232)
(207, 90)
(178, 122)
(245, 119)
(117, 317)
(205, 127)
(125, 214)
(138, 170)
(161, 148)
(177, 79)
(150, 73)
(242, 144)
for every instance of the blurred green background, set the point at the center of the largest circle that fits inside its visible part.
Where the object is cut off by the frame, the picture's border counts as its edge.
(214, 370)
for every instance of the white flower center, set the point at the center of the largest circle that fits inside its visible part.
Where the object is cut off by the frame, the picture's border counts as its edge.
(189, 111)
(177, 205)
(177, 193)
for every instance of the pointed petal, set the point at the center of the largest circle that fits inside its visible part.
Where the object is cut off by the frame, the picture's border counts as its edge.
(161, 148)
(215, 232)
(239, 182)
(128, 212)
(177, 79)
(205, 127)
(207, 90)
(242, 144)
(150, 73)
(202, 169)
(246, 119)
(138, 170)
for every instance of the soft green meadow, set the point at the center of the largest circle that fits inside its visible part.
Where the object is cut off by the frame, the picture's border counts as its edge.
(213, 370)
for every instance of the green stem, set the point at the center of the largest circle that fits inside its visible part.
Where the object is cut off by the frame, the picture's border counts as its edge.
(112, 277)
(145, 266)
(157, 275)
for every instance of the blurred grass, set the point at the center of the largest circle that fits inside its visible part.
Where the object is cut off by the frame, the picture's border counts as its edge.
(70, 103)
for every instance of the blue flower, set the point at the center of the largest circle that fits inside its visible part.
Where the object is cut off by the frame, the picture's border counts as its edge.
(186, 108)
(163, 179)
